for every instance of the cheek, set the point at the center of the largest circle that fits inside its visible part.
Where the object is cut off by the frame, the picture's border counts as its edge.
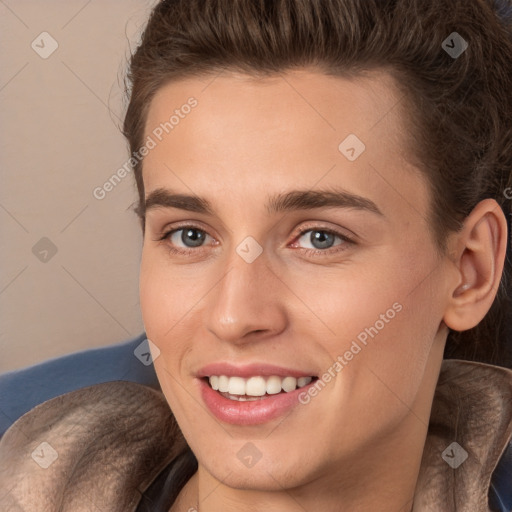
(154, 302)
(362, 306)
(162, 300)
(384, 340)
(168, 297)
(162, 307)
(381, 326)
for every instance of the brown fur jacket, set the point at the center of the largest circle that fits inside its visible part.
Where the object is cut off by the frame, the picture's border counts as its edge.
(100, 447)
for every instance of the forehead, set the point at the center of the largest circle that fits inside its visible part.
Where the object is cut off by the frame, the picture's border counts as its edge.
(292, 128)
(312, 100)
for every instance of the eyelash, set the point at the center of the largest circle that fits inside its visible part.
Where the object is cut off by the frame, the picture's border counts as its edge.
(307, 252)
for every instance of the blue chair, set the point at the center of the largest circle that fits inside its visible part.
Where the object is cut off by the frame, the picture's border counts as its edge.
(22, 390)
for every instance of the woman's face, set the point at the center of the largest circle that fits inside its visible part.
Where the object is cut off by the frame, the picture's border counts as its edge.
(303, 249)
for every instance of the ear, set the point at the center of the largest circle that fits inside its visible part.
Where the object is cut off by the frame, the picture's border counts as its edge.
(479, 256)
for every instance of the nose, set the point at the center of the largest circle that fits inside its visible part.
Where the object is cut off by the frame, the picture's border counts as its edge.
(247, 303)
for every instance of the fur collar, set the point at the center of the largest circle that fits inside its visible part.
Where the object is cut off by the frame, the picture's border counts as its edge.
(112, 440)
(472, 407)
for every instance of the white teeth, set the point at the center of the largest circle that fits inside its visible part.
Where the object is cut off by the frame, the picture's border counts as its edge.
(256, 386)
(223, 383)
(214, 382)
(289, 384)
(303, 381)
(236, 386)
(273, 385)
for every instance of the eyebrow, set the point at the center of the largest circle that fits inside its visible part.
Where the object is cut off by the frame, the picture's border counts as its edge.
(283, 202)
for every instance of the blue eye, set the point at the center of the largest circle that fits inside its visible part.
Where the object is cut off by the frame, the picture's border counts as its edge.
(320, 238)
(187, 240)
(190, 236)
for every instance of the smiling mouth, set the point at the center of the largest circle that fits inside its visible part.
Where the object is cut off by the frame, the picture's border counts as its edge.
(255, 388)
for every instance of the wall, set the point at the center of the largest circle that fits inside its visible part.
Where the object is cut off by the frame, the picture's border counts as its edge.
(68, 261)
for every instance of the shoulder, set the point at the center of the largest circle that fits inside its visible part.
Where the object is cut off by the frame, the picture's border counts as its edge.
(99, 445)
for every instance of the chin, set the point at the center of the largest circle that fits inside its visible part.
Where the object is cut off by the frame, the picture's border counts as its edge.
(264, 478)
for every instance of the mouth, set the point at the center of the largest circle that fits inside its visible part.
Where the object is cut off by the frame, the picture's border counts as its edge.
(257, 387)
(253, 394)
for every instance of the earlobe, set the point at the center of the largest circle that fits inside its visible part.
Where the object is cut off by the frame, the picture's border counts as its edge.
(479, 264)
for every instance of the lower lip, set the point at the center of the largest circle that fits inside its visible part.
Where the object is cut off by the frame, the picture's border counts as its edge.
(251, 412)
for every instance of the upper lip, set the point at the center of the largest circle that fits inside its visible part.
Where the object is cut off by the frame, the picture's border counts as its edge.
(250, 370)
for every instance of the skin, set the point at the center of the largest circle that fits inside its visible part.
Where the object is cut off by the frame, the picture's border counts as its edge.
(357, 445)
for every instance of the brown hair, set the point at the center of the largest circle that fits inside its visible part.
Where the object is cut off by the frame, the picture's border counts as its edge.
(459, 108)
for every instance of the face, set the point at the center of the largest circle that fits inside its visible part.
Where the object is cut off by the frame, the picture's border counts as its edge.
(304, 283)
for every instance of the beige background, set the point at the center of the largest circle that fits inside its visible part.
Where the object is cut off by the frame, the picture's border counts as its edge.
(60, 138)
